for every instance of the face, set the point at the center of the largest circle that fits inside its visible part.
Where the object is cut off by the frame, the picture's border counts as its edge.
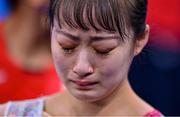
(91, 64)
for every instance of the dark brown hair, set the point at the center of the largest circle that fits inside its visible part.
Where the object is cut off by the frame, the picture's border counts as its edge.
(109, 15)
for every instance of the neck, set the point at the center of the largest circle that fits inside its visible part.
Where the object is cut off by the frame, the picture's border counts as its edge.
(123, 101)
(116, 103)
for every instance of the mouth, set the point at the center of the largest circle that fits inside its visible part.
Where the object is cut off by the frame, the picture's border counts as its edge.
(84, 85)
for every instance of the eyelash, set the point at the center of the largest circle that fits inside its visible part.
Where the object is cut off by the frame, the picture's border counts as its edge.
(68, 50)
(102, 53)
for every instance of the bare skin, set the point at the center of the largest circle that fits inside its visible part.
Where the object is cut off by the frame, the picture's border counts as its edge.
(112, 95)
(120, 103)
(97, 100)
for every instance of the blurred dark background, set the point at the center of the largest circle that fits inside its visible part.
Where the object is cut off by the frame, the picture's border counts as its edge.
(155, 73)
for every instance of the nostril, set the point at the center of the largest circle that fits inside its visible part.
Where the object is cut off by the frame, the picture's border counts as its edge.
(87, 74)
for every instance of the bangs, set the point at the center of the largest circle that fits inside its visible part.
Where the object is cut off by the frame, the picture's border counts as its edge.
(100, 15)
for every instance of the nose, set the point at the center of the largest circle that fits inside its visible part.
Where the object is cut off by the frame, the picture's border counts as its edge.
(82, 66)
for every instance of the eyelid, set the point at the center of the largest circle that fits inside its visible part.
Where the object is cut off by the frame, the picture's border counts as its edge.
(66, 40)
(68, 50)
(104, 49)
(105, 41)
(103, 54)
(105, 45)
(67, 45)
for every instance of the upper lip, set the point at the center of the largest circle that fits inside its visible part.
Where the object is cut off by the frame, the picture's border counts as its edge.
(88, 80)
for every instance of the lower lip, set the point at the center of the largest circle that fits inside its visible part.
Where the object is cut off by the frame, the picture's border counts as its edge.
(84, 86)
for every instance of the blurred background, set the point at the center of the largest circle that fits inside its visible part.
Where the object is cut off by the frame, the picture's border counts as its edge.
(4, 9)
(26, 68)
(155, 73)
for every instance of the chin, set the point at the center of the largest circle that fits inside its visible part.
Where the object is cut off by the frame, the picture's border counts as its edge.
(87, 96)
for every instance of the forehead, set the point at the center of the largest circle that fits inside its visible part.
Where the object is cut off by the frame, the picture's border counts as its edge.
(66, 30)
(88, 34)
(100, 15)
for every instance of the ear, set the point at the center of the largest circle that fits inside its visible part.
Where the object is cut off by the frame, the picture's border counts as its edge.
(141, 41)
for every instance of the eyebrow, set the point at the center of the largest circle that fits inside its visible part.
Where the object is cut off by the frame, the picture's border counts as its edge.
(73, 37)
(93, 38)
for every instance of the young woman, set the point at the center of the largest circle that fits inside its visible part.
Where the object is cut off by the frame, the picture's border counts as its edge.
(26, 68)
(93, 44)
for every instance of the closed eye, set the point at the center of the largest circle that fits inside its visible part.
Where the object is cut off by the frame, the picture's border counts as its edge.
(103, 52)
(67, 48)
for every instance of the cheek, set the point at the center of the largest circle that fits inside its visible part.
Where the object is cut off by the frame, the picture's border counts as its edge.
(114, 69)
(61, 62)
(116, 65)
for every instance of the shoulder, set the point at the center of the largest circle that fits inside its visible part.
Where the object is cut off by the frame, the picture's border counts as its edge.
(25, 108)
